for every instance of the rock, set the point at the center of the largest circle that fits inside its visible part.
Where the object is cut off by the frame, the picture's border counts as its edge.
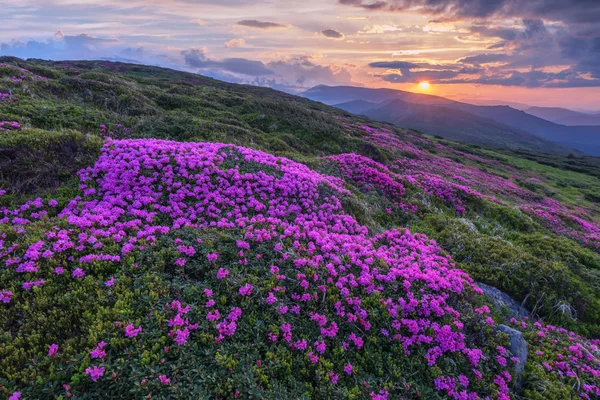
(501, 299)
(518, 348)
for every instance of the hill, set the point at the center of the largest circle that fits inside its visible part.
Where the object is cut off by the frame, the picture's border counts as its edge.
(165, 235)
(584, 139)
(453, 124)
(564, 116)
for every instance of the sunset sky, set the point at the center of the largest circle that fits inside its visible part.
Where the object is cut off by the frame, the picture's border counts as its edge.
(537, 52)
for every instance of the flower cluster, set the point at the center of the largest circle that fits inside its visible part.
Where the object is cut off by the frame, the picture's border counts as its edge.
(9, 125)
(328, 284)
(562, 356)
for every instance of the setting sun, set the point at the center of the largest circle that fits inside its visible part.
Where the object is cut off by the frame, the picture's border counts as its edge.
(424, 85)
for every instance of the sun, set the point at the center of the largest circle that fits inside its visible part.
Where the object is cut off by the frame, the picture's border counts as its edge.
(424, 85)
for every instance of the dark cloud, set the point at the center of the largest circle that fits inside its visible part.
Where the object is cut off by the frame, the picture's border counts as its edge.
(393, 65)
(409, 76)
(408, 65)
(196, 58)
(528, 57)
(484, 59)
(570, 11)
(252, 23)
(332, 34)
(501, 33)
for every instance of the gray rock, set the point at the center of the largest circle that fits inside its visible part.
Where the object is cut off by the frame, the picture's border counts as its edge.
(518, 348)
(501, 299)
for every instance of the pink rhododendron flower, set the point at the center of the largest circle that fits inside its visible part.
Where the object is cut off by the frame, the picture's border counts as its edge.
(246, 290)
(52, 350)
(222, 273)
(131, 331)
(348, 369)
(95, 372)
(78, 273)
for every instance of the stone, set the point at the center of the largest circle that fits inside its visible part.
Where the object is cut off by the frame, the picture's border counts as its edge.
(501, 299)
(518, 348)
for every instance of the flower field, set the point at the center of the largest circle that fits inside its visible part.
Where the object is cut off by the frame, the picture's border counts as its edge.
(172, 262)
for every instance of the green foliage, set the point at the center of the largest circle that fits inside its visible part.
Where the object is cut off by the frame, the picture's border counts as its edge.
(36, 160)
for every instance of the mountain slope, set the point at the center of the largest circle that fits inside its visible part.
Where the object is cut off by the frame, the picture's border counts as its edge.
(170, 236)
(357, 106)
(452, 124)
(564, 116)
(586, 139)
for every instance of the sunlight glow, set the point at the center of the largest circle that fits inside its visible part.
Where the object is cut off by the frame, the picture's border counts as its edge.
(424, 85)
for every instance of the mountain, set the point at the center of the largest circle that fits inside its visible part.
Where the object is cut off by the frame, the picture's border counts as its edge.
(170, 236)
(342, 94)
(582, 138)
(564, 116)
(452, 124)
(357, 106)
(513, 104)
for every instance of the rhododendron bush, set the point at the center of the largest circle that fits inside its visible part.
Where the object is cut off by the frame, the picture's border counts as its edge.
(218, 269)
(318, 255)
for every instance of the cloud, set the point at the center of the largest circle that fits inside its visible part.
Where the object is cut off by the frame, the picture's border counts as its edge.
(234, 43)
(252, 23)
(302, 72)
(393, 64)
(62, 47)
(198, 21)
(570, 11)
(409, 76)
(195, 58)
(332, 34)
(531, 54)
(484, 59)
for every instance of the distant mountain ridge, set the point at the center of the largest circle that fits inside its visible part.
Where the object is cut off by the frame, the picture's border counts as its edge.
(514, 123)
(564, 116)
(452, 124)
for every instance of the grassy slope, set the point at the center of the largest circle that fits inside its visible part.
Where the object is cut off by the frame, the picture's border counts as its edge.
(166, 104)
(496, 244)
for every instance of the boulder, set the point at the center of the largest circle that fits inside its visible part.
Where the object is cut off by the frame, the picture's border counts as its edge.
(518, 348)
(501, 299)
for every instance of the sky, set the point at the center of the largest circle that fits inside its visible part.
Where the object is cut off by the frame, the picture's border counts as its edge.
(536, 52)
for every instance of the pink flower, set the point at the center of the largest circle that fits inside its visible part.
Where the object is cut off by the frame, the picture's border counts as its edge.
(78, 273)
(182, 336)
(222, 273)
(15, 396)
(246, 290)
(164, 380)
(212, 256)
(271, 299)
(5, 296)
(214, 315)
(348, 369)
(110, 282)
(333, 377)
(52, 350)
(132, 332)
(94, 372)
(59, 270)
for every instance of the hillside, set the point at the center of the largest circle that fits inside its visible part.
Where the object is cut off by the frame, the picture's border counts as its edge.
(563, 116)
(582, 138)
(453, 124)
(166, 235)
